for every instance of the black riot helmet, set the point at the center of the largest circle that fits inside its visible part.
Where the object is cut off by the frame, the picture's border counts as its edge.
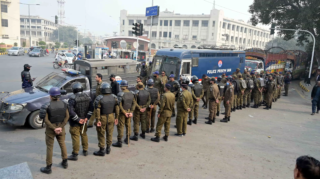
(229, 78)
(219, 78)
(77, 87)
(150, 82)
(194, 79)
(106, 88)
(213, 79)
(185, 80)
(124, 83)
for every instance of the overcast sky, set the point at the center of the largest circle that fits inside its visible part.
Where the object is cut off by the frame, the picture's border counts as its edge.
(101, 17)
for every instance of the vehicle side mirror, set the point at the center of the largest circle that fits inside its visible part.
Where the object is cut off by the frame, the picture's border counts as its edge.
(63, 92)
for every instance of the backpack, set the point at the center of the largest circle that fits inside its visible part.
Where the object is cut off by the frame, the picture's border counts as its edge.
(250, 84)
(243, 84)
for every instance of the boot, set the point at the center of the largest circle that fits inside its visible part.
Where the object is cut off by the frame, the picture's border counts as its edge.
(205, 107)
(224, 120)
(207, 118)
(117, 144)
(100, 152)
(240, 107)
(267, 108)
(108, 150)
(214, 120)
(229, 118)
(85, 153)
(165, 138)
(143, 135)
(64, 163)
(155, 139)
(73, 157)
(218, 113)
(248, 105)
(189, 122)
(135, 137)
(209, 122)
(46, 169)
(152, 130)
(234, 110)
(270, 106)
(195, 121)
(126, 140)
(148, 130)
(173, 115)
(244, 106)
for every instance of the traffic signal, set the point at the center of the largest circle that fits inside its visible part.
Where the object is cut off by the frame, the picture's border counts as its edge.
(56, 19)
(141, 30)
(135, 29)
(273, 26)
(76, 42)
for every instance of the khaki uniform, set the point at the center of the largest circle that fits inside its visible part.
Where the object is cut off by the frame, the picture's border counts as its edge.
(213, 95)
(195, 108)
(107, 123)
(164, 81)
(256, 91)
(137, 88)
(98, 92)
(184, 102)
(151, 117)
(240, 94)
(139, 116)
(76, 133)
(157, 83)
(50, 135)
(270, 88)
(247, 94)
(165, 111)
(228, 97)
(275, 92)
(205, 84)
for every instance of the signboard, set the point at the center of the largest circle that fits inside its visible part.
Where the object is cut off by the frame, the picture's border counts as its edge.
(97, 53)
(135, 45)
(123, 44)
(152, 11)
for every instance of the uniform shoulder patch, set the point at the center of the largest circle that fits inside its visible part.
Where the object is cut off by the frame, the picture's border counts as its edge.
(97, 100)
(73, 96)
(43, 110)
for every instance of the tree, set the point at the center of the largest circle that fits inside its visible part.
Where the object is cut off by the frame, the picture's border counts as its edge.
(67, 35)
(42, 43)
(290, 14)
(23, 44)
(15, 44)
(57, 45)
(287, 45)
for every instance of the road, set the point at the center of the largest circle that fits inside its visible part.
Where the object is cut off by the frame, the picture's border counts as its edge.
(257, 143)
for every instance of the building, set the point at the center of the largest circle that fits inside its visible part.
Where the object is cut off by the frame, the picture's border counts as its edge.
(143, 42)
(9, 31)
(190, 31)
(41, 29)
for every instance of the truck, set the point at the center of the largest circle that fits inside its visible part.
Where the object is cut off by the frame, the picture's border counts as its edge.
(21, 107)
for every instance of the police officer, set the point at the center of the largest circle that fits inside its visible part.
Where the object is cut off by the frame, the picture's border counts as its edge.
(237, 72)
(80, 110)
(205, 83)
(247, 92)
(164, 79)
(157, 81)
(228, 95)
(127, 104)
(107, 115)
(213, 98)
(270, 88)
(257, 90)
(175, 89)
(164, 113)
(197, 93)
(143, 73)
(98, 92)
(241, 93)
(280, 79)
(114, 84)
(139, 79)
(236, 86)
(287, 81)
(26, 79)
(275, 92)
(140, 113)
(152, 108)
(56, 116)
(184, 106)
(221, 86)
(224, 79)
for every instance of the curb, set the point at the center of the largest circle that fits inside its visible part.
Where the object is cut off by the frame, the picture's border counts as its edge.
(5, 53)
(303, 87)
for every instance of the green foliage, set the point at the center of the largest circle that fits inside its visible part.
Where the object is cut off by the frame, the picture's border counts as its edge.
(2, 43)
(57, 45)
(43, 46)
(15, 44)
(291, 44)
(3, 50)
(42, 43)
(23, 44)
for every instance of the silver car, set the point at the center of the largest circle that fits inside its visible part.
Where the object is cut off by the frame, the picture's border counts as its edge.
(16, 51)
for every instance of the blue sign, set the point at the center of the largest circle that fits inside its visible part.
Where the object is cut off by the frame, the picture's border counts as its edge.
(152, 11)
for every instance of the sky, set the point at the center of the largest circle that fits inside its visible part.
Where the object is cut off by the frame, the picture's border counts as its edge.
(101, 17)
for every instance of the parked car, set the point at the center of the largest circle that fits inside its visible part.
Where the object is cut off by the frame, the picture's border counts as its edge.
(36, 52)
(16, 51)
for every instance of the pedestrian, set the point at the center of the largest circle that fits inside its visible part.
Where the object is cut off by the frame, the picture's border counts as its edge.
(213, 100)
(184, 106)
(242, 87)
(139, 80)
(270, 88)
(276, 81)
(281, 82)
(152, 108)
(236, 86)
(164, 79)
(157, 81)
(88, 56)
(80, 110)
(98, 92)
(56, 116)
(306, 168)
(143, 73)
(175, 89)
(164, 113)
(26, 79)
(315, 97)
(247, 91)
(127, 105)
(107, 113)
(197, 93)
(287, 81)
(205, 83)
(228, 95)
(79, 55)
(114, 84)
(143, 100)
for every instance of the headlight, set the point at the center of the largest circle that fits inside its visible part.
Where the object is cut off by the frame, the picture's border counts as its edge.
(15, 108)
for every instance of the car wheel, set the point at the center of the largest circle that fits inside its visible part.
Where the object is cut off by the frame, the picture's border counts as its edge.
(34, 120)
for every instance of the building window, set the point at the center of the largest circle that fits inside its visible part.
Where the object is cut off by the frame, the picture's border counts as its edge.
(33, 21)
(39, 33)
(123, 22)
(22, 20)
(21, 26)
(33, 27)
(244, 41)
(139, 21)
(258, 33)
(176, 36)
(146, 33)
(195, 23)
(4, 23)
(4, 8)
(21, 32)
(194, 37)
(130, 33)
(186, 23)
(153, 46)
(236, 39)
(237, 28)
(131, 22)
(245, 30)
(255, 32)
(253, 42)
(165, 23)
(160, 22)
(177, 23)
(165, 34)
(224, 25)
(160, 34)
(193, 46)
(169, 34)
(241, 29)
(233, 26)
(33, 33)
(170, 22)
(204, 23)
(232, 38)
(38, 27)
(39, 21)
(228, 26)
(249, 42)
(154, 33)
(240, 40)
(5, 36)
(213, 23)
(145, 22)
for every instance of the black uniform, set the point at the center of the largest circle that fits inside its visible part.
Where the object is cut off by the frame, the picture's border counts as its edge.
(26, 78)
(115, 87)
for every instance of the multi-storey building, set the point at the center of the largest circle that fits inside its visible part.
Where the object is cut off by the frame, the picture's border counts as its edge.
(191, 31)
(9, 28)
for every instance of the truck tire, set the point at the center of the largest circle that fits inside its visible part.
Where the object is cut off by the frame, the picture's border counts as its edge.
(34, 121)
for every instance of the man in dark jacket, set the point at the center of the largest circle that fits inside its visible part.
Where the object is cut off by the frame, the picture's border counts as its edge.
(287, 81)
(315, 96)
(114, 84)
(26, 77)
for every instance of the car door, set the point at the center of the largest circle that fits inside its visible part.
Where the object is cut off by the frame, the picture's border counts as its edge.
(68, 87)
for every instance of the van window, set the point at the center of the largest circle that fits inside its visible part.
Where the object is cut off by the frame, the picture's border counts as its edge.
(185, 68)
(195, 62)
(68, 86)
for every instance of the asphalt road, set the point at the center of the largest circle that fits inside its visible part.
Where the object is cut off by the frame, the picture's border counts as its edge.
(256, 144)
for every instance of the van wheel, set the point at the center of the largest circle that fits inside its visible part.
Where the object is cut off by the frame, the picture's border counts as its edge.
(34, 120)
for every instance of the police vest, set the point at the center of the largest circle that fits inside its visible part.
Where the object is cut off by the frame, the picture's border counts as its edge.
(153, 94)
(243, 84)
(127, 100)
(221, 89)
(143, 72)
(250, 83)
(143, 96)
(57, 111)
(262, 82)
(197, 89)
(82, 105)
(108, 103)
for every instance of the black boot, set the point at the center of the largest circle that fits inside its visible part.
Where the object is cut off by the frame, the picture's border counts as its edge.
(244, 106)
(229, 118)
(155, 139)
(195, 121)
(117, 144)
(148, 130)
(108, 150)
(189, 122)
(152, 130)
(209, 122)
(240, 107)
(143, 135)
(126, 140)
(173, 115)
(135, 137)
(207, 118)
(248, 105)
(218, 113)
(234, 109)
(214, 120)
(64, 163)
(165, 138)
(224, 120)
(85, 153)
(46, 169)
(73, 157)
(267, 108)
(205, 107)
(100, 152)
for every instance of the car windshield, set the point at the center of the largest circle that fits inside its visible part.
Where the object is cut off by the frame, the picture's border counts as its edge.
(69, 55)
(51, 81)
(252, 65)
(14, 48)
(36, 50)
